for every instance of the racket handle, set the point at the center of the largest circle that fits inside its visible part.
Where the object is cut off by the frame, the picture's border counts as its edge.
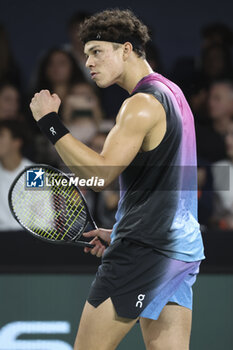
(84, 244)
(95, 227)
(103, 241)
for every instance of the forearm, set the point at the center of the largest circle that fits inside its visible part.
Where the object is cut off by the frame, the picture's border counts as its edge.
(82, 160)
(120, 147)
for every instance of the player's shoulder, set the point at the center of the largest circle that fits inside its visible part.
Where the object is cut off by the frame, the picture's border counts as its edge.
(143, 100)
(140, 111)
(141, 106)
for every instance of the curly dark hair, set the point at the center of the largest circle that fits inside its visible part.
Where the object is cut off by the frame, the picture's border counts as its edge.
(117, 26)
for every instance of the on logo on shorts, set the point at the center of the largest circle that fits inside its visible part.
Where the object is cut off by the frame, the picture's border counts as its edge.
(141, 297)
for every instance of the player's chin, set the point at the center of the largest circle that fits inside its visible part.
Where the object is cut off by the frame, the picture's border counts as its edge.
(104, 84)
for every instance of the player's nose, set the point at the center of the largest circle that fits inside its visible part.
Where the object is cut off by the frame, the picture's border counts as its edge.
(89, 62)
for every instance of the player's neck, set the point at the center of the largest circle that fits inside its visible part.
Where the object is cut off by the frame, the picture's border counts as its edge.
(12, 161)
(135, 71)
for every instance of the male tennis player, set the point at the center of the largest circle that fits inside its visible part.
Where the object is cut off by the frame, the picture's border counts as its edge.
(156, 247)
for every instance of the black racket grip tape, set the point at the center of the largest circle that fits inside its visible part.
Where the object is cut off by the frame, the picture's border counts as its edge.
(103, 241)
(84, 244)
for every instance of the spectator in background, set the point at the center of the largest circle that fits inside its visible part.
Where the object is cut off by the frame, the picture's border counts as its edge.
(79, 117)
(216, 57)
(210, 138)
(57, 72)
(82, 112)
(9, 102)
(216, 33)
(198, 95)
(12, 139)
(76, 47)
(8, 68)
(11, 109)
(221, 105)
(223, 176)
(89, 92)
(216, 63)
(183, 73)
(205, 192)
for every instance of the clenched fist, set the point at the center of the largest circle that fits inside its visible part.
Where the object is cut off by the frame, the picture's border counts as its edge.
(43, 103)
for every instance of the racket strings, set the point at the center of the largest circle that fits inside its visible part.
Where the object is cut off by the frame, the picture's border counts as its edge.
(47, 231)
(57, 213)
(27, 200)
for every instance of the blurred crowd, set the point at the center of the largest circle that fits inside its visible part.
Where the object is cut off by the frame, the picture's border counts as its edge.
(89, 113)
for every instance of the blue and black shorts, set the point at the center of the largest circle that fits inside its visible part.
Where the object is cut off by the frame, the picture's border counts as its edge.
(141, 281)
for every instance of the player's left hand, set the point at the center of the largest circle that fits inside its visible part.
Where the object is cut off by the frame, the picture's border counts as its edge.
(99, 248)
(43, 103)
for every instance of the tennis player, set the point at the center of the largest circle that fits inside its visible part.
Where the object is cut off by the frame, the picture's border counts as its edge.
(156, 248)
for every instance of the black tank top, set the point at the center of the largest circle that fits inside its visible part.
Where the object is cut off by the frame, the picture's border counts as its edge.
(158, 191)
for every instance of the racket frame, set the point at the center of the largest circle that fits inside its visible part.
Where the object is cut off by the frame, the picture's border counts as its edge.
(89, 220)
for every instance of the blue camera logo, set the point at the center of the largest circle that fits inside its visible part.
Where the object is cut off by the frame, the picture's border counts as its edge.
(35, 178)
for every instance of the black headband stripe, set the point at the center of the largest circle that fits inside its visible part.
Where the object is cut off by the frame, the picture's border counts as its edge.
(121, 40)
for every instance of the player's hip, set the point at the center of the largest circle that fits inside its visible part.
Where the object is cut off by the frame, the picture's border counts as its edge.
(134, 275)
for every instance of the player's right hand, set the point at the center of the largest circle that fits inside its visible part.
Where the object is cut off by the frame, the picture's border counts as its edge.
(43, 103)
(99, 248)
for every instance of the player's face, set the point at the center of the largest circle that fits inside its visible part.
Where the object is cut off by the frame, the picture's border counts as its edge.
(105, 62)
(220, 101)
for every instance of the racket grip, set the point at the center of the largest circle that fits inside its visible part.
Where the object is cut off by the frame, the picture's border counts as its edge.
(103, 241)
(84, 244)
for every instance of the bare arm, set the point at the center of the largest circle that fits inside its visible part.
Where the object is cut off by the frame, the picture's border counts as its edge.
(135, 119)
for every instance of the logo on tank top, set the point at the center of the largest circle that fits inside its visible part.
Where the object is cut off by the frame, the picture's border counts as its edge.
(141, 297)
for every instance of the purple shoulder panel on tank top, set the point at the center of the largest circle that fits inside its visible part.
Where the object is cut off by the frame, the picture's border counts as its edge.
(188, 150)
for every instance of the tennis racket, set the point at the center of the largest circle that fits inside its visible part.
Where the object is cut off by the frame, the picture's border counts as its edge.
(47, 204)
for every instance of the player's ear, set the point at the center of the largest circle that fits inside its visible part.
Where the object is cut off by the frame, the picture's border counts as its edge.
(128, 48)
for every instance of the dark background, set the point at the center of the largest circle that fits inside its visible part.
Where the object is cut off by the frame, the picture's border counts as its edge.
(35, 26)
(29, 267)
